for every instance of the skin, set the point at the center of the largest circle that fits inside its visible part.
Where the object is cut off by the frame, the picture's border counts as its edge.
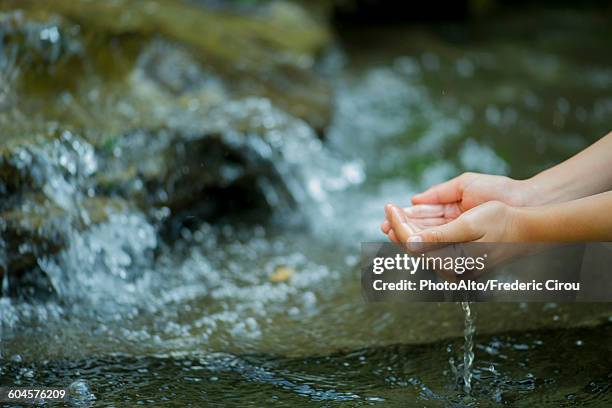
(444, 202)
(569, 202)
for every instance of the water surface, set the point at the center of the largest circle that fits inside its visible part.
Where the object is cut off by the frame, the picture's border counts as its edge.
(200, 318)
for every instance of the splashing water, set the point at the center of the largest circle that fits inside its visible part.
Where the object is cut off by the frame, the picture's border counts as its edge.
(203, 312)
(468, 346)
(80, 395)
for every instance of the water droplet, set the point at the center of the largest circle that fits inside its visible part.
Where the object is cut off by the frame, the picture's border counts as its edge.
(79, 393)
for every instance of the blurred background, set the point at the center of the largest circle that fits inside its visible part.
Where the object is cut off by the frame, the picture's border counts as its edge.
(185, 184)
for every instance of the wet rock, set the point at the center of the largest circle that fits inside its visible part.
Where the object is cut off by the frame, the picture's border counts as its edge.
(200, 175)
(38, 227)
(55, 185)
(43, 185)
(235, 158)
(56, 164)
(43, 47)
(110, 106)
(96, 45)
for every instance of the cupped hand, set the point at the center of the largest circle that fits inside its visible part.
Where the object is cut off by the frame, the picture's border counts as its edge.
(445, 202)
(492, 221)
(417, 217)
(458, 195)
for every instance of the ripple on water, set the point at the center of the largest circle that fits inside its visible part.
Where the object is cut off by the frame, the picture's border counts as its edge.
(120, 287)
(540, 374)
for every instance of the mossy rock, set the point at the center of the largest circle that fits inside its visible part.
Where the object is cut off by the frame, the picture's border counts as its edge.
(39, 227)
(231, 37)
(202, 175)
(57, 184)
(54, 161)
(128, 101)
(97, 45)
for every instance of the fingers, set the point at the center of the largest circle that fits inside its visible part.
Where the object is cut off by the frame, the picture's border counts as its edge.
(448, 211)
(385, 226)
(424, 223)
(448, 192)
(399, 223)
(455, 231)
(425, 211)
(408, 225)
(389, 212)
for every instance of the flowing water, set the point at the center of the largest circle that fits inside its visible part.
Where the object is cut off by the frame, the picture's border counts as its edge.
(468, 346)
(463, 370)
(203, 318)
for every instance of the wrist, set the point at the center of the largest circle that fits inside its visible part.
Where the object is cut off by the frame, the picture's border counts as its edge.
(549, 188)
(527, 224)
(525, 193)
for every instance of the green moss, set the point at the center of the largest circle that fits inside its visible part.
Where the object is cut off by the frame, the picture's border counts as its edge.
(267, 52)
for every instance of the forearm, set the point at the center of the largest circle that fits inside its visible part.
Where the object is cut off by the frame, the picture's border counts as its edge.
(585, 219)
(588, 172)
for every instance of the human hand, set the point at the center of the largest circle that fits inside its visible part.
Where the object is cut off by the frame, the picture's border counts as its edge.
(411, 225)
(492, 221)
(489, 222)
(456, 196)
(445, 202)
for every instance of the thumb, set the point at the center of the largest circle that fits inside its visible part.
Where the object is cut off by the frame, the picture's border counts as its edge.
(454, 231)
(447, 192)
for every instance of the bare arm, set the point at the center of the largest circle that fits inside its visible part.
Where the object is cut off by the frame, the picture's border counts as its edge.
(585, 219)
(533, 204)
(588, 172)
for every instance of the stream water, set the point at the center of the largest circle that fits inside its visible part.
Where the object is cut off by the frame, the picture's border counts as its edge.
(201, 320)
(468, 346)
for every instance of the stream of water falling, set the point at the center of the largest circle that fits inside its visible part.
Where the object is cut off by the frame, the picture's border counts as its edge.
(203, 323)
(468, 346)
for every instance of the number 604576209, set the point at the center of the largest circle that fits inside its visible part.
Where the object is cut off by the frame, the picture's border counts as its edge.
(32, 394)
